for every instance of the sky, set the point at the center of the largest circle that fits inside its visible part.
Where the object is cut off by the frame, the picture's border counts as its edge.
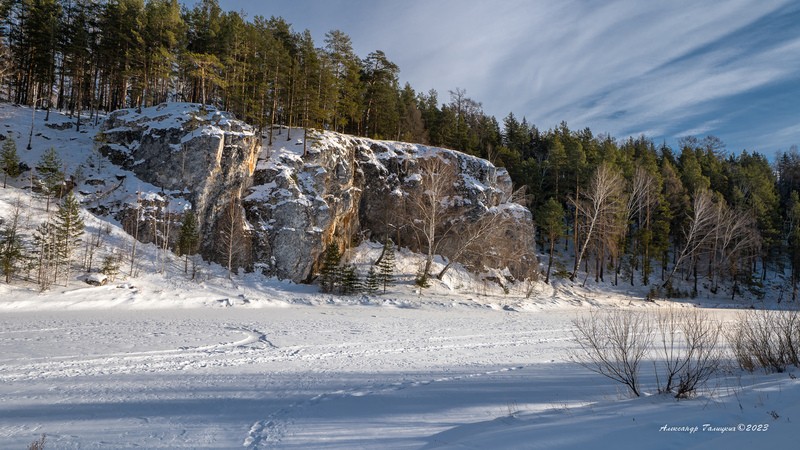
(664, 69)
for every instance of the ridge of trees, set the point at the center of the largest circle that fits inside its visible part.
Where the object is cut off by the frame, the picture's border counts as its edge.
(694, 212)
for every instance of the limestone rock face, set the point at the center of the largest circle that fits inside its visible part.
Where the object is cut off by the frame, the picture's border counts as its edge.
(297, 196)
(202, 156)
(345, 188)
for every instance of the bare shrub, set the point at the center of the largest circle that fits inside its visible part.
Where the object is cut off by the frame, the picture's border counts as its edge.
(702, 349)
(37, 444)
(766, 339)
(788, 330)
(613, 344)
(689, 349)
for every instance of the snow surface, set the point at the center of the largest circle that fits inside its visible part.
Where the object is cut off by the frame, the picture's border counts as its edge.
(158, 360)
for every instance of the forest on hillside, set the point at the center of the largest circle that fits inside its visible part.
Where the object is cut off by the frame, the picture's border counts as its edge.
(624, 210)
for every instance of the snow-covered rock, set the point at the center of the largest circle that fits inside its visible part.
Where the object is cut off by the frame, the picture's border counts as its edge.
(299, 194)
(345, 187)
(204, 155)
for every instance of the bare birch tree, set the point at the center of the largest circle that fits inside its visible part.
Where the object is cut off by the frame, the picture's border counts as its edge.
(600, 205)
(428, 213)
(231, 234)
(701, 226)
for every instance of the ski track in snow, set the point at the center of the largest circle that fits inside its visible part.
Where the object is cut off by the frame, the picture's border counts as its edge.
(132, 362)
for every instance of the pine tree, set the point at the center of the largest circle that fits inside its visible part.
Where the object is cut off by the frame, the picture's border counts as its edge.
(111, 266)
(51, 177)
(550, 219)
(189, 238)
(10, 160)
(386, 266)
(68, 228)
(12, 250)
(330, 272)
(351, 282)
(372, 283)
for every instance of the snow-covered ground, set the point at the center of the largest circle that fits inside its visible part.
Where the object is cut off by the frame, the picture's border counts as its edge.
(161, 361)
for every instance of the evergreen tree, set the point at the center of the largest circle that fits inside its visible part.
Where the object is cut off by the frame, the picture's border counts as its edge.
(51, 177)
(351, 282)
(9, 159)
(68, 228)
(372, 283)
(189, 238)
(386, 265)
(12, 250)
(330, 272)
(111, 266)
(550, 219)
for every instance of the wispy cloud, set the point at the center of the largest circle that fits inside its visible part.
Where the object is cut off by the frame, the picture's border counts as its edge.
(620, 67)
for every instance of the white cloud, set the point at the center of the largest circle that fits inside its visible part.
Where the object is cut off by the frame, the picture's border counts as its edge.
(615, 66)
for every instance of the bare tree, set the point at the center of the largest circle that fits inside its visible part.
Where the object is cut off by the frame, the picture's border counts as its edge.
(475, 234)
(614, 344)
(701, 227)
(231, 238)
(428, 213)
(735, 234)
(599, 206)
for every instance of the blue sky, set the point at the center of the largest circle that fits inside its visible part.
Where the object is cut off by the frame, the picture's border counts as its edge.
(665, 69)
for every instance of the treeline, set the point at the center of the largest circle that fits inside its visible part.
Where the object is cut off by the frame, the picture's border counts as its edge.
(622, 210)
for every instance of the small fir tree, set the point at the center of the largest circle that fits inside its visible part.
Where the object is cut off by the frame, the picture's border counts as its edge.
(372, 283)
(330, 272)
(9, 160)
(386, 265)
(351, 282)
(12, 249)
(189, 238)
(111, 266)
(50, 175)
(69, 227)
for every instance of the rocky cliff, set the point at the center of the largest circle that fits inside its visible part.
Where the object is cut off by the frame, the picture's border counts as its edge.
(193, 155)
(343, 188)
(299, 196)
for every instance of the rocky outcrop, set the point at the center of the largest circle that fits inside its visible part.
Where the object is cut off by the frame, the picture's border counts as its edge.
(297, 196)
(187, 151)
(345, 188)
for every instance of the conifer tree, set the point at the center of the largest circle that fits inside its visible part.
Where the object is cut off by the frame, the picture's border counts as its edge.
(68, 228)
(9, 160)
(386, 266)
(111, 265)
(50, 174)
(330, 272)
(372, 283)
(550, 219)
(351, 282)
(189, 238)
(12, 250)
